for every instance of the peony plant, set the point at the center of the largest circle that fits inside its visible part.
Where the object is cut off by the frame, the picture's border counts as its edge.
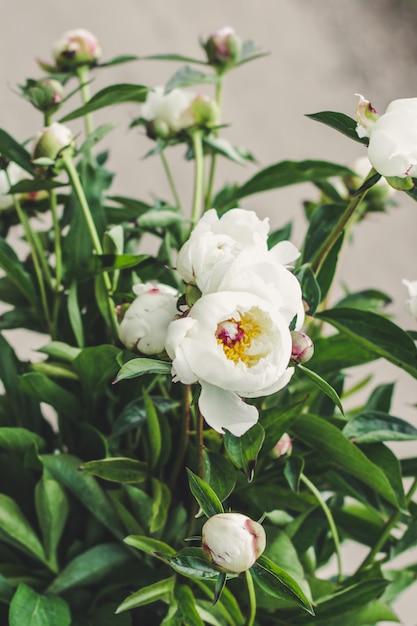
(182, 452)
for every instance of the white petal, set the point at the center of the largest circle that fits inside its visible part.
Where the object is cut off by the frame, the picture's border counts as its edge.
(225, 409)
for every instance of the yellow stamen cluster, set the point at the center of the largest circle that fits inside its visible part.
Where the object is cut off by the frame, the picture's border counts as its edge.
(237, 350)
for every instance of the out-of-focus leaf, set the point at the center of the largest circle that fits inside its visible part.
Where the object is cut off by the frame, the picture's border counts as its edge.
(46, 390)
(117, 469)
(366, 300)
(160, 590)
(19, 440)
(187, 76)
(372, 426)
(52, 511)
(161, 500)
(13, 151)
(114, 94)
(377, 334)
(149, 545)
(17, 530)
(17, 273)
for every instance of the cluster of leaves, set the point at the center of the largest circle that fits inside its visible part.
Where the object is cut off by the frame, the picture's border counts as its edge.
(98, 505)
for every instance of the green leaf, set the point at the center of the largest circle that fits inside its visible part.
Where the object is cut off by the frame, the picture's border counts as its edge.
(385, 459)
(43, 389)
(13, 151)
(278, 583)
(173, 57)
(52, 511)
(357, 595)
(187, 605)
(17, 273)
(310, 288)
(114, 94)
(372, 426)
(74, 314)
(96, 367)
(293, 469)
(219, 473)
(332, 445)
(377, 334)
(142, 366)
(149, 545)
(187, 76)
(90, 567)
(160, 505)
(160, 590)
(276, 422)
(338, 352)
(64, 468)
(159, 218)
(122, 58)
(341, 122)
(219, 145)
(367, 300)
(154, 430)
(33, 609)
(17, 529)
(134, 414)
(98, 133)
(244, 450)
(287, 173)
(322, 385)
(204, 494)
(60, 350)
(322, 222)
(117, 469)
(113, 262)
(192, 563)
(19, 440)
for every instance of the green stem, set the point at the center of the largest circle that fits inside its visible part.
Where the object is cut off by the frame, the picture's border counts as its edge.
(386, 531)
(57, 240)
(79, 192)
(252, 598)
(339, 227)
(184, 437)
(83, 77)
(213, 164)
(197, 139)
(35, 259)
(171, 180)
(330, 520)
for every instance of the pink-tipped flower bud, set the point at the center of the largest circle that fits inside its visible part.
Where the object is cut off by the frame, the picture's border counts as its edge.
(46, 94)
(232, 542)
(145, 322)
(366, 116)
(302, 348)
(75, 48)
(411, 304)
(223, 48)
(51, 141)
(283, 447)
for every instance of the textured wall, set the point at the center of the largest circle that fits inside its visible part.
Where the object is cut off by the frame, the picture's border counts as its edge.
(321, 53)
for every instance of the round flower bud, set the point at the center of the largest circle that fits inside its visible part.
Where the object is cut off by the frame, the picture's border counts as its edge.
(204, 111)
(366, 117)
(302, 347)
(411, 304)
(75, 48)
(283, 447)
(223, 48)
(232, 542)
(15, 173)
(46, 94)
(145, 322)
(51, 141)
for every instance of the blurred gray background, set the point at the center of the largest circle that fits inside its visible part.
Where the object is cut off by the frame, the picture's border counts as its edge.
(321, 52)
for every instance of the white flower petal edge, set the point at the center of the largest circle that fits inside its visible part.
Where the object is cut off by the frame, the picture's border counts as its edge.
(219, 407)
(411, 304)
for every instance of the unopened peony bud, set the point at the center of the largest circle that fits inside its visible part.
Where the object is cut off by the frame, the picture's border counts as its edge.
(223, 48)
(15, 173)
(75, 48)
(283, 447)
(411, 304)
(46, 94)
(145, 322)
(204, 111)
(51, 141)
(302, 347)
(232, 542)
(366, 117)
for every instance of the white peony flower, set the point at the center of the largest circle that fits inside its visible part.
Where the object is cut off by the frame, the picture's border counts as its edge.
(145, 322)
(233, 542)
(411, 304)
(236, 345)
(169, 112)
(16, 174)
(231, 252)
(393, 140)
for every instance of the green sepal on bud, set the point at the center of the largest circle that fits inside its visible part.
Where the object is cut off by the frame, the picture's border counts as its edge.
(204, 111)
(46, 94)
(401, 184)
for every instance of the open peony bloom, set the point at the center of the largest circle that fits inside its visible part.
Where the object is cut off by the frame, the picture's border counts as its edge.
(231, 253)
(233, 542)
(393, 140)
(145, 322)
(411, 304)
(236, 345)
